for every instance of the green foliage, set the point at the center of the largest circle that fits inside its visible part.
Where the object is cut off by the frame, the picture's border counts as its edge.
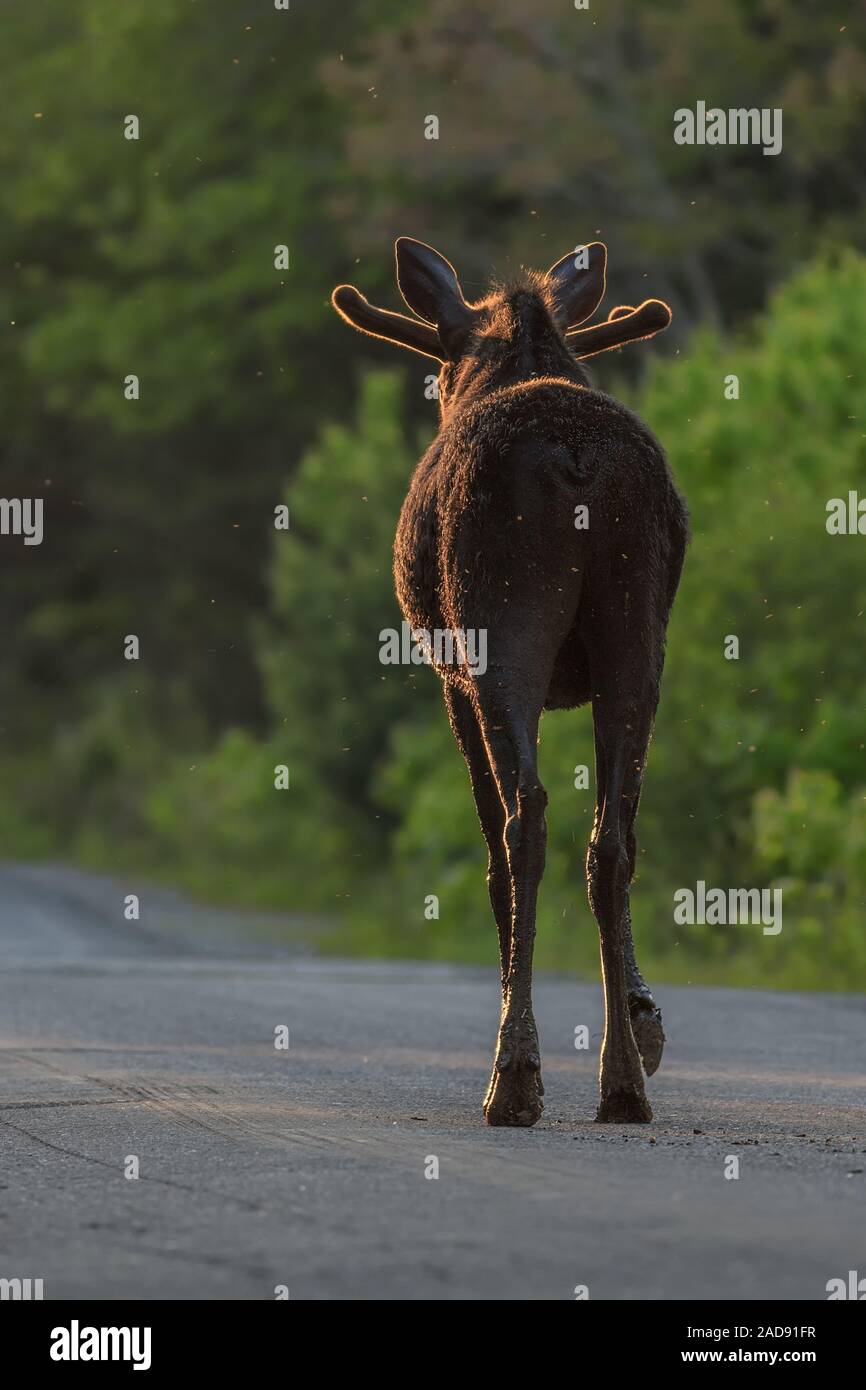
(330, 697)
(223, 829)
(811, 837)
(155, 257)
(216, 822)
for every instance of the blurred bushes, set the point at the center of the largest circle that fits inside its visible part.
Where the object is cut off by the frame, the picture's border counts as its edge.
(757, 769)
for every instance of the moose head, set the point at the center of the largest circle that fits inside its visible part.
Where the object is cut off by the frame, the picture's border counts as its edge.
(532, 318)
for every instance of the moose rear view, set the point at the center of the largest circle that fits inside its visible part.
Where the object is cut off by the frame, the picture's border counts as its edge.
(487, 541)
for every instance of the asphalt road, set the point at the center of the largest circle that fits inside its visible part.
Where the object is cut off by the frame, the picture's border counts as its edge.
(305, 1167)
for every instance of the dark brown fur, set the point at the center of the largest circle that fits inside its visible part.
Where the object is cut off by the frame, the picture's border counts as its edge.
(487, 540)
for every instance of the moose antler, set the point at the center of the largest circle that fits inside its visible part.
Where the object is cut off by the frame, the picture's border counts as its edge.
(351, 305)
(623, 325)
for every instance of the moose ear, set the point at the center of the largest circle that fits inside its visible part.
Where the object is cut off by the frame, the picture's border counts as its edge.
(430, 287)
(578, 283)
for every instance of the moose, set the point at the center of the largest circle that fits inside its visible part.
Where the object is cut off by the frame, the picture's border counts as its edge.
(488, 539)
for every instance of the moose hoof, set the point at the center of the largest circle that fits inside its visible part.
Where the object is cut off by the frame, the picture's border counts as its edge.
(646, 1025)
(514, 1094)
(624, 1108)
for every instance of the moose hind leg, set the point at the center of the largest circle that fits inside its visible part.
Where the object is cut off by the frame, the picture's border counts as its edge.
(510, 726)
(622, 731)
(645, 1015)
(466, 728)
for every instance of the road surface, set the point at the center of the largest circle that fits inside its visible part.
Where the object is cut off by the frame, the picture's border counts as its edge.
(307, 1167)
